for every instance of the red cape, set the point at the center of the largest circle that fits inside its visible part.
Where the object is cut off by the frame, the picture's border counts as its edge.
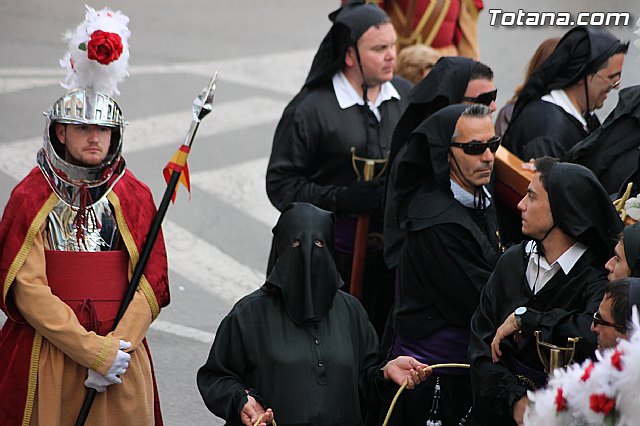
(27, 209)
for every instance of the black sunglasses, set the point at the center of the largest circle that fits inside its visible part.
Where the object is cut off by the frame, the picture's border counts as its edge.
(478, 147)
(483, 98)
(598, 320)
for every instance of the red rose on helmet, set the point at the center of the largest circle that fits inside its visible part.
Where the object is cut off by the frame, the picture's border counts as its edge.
(104, 47)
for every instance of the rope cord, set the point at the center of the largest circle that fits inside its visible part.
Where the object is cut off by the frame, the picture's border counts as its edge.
(404, 385)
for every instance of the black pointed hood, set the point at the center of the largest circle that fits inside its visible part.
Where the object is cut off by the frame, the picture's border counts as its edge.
(350, 22)
(302, 269)
(425, 163)
(581, 208)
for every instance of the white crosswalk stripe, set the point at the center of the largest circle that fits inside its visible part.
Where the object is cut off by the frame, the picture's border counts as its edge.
(207, 266)
(18, 157)
(183, 331)
(242, 185)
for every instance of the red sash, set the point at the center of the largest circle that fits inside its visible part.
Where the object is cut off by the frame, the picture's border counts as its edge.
(93, 284)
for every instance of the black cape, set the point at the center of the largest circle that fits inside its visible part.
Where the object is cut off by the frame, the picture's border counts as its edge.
(612, 151)
(310, 374)
(450, 250)
(580, 52)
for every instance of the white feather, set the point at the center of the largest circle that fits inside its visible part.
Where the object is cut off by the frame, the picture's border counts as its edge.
(83, 72)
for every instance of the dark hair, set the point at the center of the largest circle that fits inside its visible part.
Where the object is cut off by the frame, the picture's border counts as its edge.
(618, 292)
(543, 166)
(623, 48)
(541, 54)
(481, 72)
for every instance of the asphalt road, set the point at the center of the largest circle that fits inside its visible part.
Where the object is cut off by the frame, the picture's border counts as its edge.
(218, 241)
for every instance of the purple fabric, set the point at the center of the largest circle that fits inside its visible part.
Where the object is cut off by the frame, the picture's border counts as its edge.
(447, 345)
(539, 378)
(345, 234)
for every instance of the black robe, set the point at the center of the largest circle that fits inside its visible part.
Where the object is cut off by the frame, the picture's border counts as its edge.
(562, 309)
(311, 158)
(446, 260)
(543, 128)
(612, 151)
(310, 374)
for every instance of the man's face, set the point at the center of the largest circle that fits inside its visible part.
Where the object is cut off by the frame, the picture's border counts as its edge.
(607, 335)
(535, 210)
(377, 48)
(85, 145)
(601, 83)
(478, 87)
(617, 265)
(472, 170)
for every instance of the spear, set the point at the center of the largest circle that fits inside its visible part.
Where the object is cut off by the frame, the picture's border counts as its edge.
(202, 106)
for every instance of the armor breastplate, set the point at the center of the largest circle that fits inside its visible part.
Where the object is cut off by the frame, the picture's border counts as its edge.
(102, 233)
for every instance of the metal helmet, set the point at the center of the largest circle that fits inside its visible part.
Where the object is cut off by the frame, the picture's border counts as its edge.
(82, 106)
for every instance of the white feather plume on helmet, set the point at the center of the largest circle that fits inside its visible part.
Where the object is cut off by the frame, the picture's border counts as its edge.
(98, 52)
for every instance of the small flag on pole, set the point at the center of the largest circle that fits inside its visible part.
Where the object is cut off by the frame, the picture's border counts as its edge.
(178, 164)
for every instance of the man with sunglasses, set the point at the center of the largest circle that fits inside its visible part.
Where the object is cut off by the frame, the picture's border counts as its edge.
(452, 80)
(552, 283)
(610, 321)
(449, 252)
(555, 109)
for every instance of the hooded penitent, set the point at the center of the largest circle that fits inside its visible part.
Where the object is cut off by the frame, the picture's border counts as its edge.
(301, 262)
(444, 85)
(582, 209)
(580, 52)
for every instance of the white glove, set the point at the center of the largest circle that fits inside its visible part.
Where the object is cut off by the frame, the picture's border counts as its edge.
(121, 363)
(99, 382)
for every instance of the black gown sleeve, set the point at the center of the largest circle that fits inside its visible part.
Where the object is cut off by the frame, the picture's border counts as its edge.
(495, 388)
(220, 378)
(559, 323)
(443, 267)
(289, 171)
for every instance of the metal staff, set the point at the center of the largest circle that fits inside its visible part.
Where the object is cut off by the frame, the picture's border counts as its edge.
(202, 106)
(362, 226)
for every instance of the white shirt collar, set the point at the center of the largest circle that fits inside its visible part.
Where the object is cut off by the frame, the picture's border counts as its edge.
(465, 198)
(348, 97)
(539, 272)
(560, 98)
(566, 261)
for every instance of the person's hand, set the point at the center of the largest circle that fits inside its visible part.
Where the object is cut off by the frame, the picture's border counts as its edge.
(519, 408)
(406, 368)
(508, 327)
(99, 382)
(360, 197)
(121, 363)
(252, 411)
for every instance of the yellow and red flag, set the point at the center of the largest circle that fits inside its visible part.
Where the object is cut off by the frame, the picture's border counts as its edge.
(178, 164)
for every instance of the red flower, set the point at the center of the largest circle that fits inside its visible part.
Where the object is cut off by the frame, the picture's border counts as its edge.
(561, 403)
(600, 403)
(616, 360)
(104, 47)
(587, 372)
